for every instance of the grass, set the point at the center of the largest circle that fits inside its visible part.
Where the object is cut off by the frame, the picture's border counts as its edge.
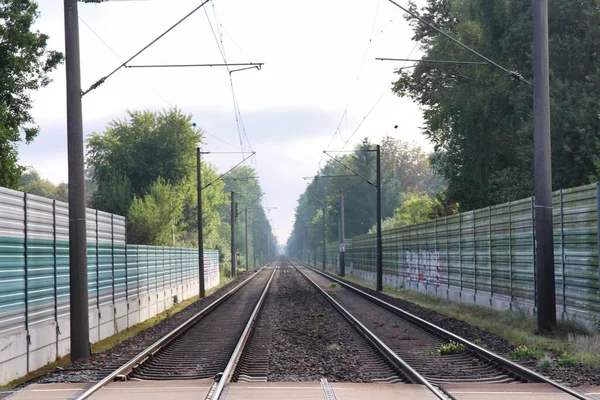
(113, 340)
(451, 348)
(334, 347)
(571, 340)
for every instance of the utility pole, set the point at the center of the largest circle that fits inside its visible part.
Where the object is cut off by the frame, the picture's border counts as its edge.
(78, 282)
(324, 237)
(233, 258)
(200, 224)
(246, 221)
(379, 244)
(254, 240)
(544, 251)
(342, 237)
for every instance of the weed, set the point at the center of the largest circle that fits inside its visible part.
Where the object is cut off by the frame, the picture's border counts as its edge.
(586, 348)
(451, 348)
(545, 362)
(319, 315)
(317, 329)
(568, 362)
(526, 352)
(175, 300)
(480, 343)
(474, 362)
(334, 347)
(334, 285)
(430, 352)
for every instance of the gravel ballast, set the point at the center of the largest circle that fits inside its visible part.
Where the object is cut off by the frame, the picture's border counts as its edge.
(309, 339)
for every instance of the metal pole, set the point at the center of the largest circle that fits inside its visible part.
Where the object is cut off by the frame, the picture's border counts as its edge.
(324, 238)
(379, 245)
(78, 282)
(543, 170)
(233, 261)
(342, 237)
(254, 245)
(246, 221)
(200, 224)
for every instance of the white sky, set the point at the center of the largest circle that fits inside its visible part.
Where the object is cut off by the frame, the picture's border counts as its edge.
(313, 53)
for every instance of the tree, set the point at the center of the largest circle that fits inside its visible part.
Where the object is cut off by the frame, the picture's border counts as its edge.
(405, 169)
(25, 64)
(140, 149)
(31, 182)
(155, 218)
(481, 121)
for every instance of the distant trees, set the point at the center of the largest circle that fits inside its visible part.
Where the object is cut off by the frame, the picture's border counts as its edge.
(481, 121)
(31, 182)
(409, 188)
(25, 64)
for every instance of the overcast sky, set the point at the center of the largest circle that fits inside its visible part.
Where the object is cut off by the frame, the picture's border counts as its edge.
(319, 61)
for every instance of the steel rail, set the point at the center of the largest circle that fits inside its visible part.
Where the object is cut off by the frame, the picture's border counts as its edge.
(241, 345)
(168, 338)
(510, 366)
(388, 353)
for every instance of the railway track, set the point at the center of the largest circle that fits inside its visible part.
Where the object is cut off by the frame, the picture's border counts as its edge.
(202, 347)
(234, 343)
(417, 342)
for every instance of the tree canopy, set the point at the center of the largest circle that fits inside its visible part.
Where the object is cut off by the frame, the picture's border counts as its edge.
(25, 64)
(144, 167)
(406, 174)
(481, 121)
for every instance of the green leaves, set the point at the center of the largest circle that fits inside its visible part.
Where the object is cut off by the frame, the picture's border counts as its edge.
(24, 67)
(480, 121)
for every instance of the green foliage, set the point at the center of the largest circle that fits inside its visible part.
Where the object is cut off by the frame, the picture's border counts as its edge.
(405, 168)
(24, 67)
(143, 147)
(114, 194)
(31, 182)
(545, 362)
(568, 362)
(526, 352)
(481, 121)
(451, 348)
(155, 218)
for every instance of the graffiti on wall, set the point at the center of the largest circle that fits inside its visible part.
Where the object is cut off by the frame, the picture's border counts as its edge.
(425, 266)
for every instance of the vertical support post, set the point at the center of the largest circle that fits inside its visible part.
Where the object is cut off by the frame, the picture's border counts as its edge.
(55, 271)
(200, 223)
(254, 240)
(460, 253)
(379, 244)
(26, 275)
(324, 238)
(233, 260)
(78, 286)
(562, 256)
(112, 260)
(490, 253)
(246, 221)
(543, 170)
(342, 237)
(510, 264)
(97, 269)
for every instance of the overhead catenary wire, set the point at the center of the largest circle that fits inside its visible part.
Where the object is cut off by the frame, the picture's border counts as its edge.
(103, 79)
(513, 74)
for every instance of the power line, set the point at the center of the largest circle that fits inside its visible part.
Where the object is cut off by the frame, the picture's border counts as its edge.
(513, 74)
(103, 79)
